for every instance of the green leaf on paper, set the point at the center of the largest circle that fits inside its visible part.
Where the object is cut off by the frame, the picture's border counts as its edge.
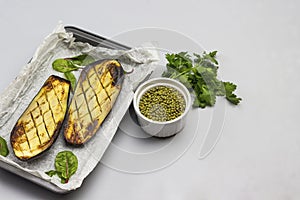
(3, 147)
(68, 65)
(66, 164)
(71, 77)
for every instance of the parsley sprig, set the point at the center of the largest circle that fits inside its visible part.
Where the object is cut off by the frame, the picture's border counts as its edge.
(199, 74)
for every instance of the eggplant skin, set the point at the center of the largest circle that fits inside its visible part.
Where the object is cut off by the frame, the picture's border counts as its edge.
(97, 89)
(38, 127)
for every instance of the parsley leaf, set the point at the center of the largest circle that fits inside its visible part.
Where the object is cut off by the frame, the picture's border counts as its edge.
(230, 88)
(199, 74)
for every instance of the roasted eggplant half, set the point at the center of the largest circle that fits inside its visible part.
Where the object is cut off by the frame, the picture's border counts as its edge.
(38, 127)
(96, 91)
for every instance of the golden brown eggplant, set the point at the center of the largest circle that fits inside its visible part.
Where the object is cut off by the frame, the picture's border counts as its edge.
(97, 89)
(39, 125)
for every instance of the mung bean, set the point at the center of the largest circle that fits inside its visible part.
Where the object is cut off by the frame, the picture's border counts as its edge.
(162, 103)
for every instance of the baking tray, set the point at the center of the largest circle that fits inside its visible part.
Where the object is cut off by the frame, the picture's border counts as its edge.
(80, 36)
(93, 39)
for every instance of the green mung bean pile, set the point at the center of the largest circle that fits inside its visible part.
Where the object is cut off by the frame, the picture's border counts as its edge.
(162, 103)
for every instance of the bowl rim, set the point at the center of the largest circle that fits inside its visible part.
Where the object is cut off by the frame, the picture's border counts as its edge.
(153, 82)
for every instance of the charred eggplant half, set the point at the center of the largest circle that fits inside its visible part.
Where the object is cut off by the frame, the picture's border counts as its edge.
(38, 127)
(97, 89)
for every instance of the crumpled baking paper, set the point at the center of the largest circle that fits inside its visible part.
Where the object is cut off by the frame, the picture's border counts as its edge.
(17, 96)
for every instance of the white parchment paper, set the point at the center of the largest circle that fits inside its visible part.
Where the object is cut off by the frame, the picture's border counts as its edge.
(17, 96)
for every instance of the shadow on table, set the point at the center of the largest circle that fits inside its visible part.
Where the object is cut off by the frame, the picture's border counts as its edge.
(30, 190)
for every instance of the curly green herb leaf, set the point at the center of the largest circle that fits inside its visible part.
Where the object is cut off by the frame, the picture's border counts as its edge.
(66, 164)
(230, 88)
(199, 75)
(3, 147)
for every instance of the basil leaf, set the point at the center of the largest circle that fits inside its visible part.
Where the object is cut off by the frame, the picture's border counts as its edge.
(3, 147)
(70, 76)
(66, 164)
(64, 65)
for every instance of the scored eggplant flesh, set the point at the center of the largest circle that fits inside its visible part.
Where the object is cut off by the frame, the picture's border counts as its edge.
(97, 89)
(39, 125)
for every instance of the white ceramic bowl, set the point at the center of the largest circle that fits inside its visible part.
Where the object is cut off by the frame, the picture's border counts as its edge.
(157, 128)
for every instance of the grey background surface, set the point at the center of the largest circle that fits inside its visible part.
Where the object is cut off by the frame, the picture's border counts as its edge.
(258, 155)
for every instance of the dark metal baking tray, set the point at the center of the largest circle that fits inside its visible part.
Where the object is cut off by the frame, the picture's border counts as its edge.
(80, 35)
(93, 39)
